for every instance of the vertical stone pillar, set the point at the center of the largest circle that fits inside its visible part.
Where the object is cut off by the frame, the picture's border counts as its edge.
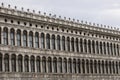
(9, 41)
(10, 66)
(17, 63)
(3, 65)
(101, 67)
(51, 46)
(41, 65)
(83, 45)
(46, 65)
(106, 49)
(29, 64)
(56, 47)
(70, 45)
(115, 68)
(75, 48)
(67, 65)
(45, 41)
(2, 41)
(28, 38)
(23, 64)
(35, 65)
(105, 68)
(66, 48)
(39, 37)
(34, 40)
(61, 43)
(79, 45)
(103, 53)
(15, 37)
(21, 37)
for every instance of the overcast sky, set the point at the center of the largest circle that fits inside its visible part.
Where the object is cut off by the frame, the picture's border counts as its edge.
(106, 12)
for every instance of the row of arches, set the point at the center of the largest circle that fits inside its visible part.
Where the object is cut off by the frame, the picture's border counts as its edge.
(43, 64)
(57, 42)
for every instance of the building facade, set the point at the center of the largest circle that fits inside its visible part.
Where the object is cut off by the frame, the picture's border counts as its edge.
(40, 47)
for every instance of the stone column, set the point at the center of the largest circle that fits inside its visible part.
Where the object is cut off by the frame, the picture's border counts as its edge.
(28, 38)
(29, 64)
(106, 49)
(51, 46)
(83, 45)
(35, 65)
(70, 45)
(15, 34)
(75, 48)
(23, 65)
(46, 65)
(9, 41)
(21, 37)
(3, 65)
(2, 41)
(10, 66)
(34, 40)
(16, 63)
(45, 41)
(56, 47)
(41, 65)
(61, 43)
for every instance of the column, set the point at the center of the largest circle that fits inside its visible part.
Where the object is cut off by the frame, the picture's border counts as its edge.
(16, 63)
(23, 64)
(9, 41)
(27, 38)
(35, 65)
(10, 66)
(75, 48)
(46, 65)
(33, 39)
(41, 64)
(3, 66)
(21, 37)
(39, 37)
(61, 43)
(70, 44)
(15, 37)
(45, 41)
(56, 47)
(29, 64)
(2, 41)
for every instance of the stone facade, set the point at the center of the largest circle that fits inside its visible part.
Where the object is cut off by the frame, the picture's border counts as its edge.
(40, 47)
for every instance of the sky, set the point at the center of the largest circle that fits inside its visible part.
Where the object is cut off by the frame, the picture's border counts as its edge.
(106, 12)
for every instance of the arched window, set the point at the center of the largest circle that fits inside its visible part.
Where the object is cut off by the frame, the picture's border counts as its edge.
(108, 48)
(36, 40)
(25, 38)
(20, 66)
(30, 39)
(44, 64)
(6, 62)
(78, 66)
(12, 37)
(63, 43)
(89, 46)
(58, 42)
(111, 48)
(72, 44)
(48, 41)
(49, 65)
(5, 36)
(101, 50)
(38, 64)
(117, 49)
(77, 46)
(65, 65)
(69, 66)
(55, 65)
(85, 45)
(13, 63)
(53, 41)
(97, 47)
(42, 40)
(26, 63)
(32, 63)
(68, 43)
(87, 66)
(18, 38)
(74, 66)
(81, 45)
(93, 46)
(104, 45)
(1, 62)
(60, 65)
